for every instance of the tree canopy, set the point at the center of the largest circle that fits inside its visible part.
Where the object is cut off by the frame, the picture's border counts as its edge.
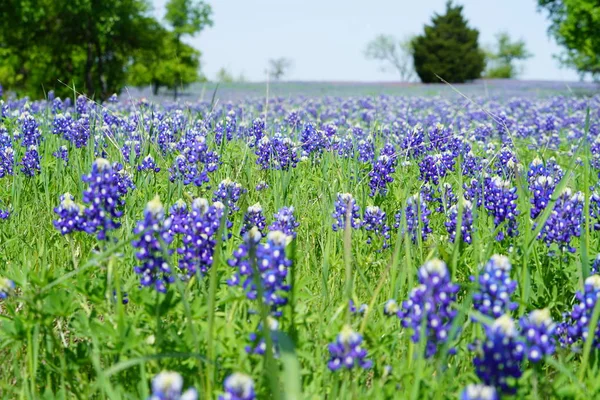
(501, 60)
(94, 46)
(394, 53)
(575, 24)
(448, 48)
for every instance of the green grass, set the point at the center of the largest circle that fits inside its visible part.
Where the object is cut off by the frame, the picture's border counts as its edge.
(63, 334)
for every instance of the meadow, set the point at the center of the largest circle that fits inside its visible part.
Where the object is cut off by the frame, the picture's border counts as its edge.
(301, 246)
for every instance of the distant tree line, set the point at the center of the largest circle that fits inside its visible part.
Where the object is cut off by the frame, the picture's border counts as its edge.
(448, 49)
(97, 46)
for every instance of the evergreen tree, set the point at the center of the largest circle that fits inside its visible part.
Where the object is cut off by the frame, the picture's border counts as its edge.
(448, 48)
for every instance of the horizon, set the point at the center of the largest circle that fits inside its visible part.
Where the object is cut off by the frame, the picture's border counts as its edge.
(329, 53)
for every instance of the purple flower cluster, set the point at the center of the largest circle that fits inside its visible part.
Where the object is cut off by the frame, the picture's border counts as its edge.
(493, 297)
(6, 287)
(417, 218)
(70, 215)
(466, 228)
(381, 175)
(539, 334)
(199, 229)
(148, 164)
(277, 153)
(229, 193)
(374, 222)
(575, 328)
(564, 222)
(430, 311)
(238, 386)
(30, 163)
(347, 351)
(500, 355)
(153, 238)
(269, 261)
(501, 203)
(285, 221)
(346, 209)
(254, 217)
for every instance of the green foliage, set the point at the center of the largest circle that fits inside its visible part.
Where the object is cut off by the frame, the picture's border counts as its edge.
(169, 65)
(278, 67)
(501, 61)
(224, 76)
(448, 48)
(396, 53)
(95, 47)
(575, 25)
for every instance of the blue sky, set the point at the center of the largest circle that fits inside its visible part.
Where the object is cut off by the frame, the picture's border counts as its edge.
(326, 38)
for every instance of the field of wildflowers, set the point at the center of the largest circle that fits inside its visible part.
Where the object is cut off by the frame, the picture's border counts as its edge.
(300, 247)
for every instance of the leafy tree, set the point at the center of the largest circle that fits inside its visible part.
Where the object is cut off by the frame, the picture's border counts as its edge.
(52, 44)
(278, 67)
(224, 76)
(501, 61)
(167, 65)
(575, 24)
(186, 17)
(395, 53)
(448, 48)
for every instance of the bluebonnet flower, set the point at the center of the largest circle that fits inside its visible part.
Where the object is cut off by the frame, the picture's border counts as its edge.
(575, 328)
(501, 203)
(258, 345)
(564, 222)
(366, 149)
(6, 287)
(124, 297)
(151, 244)
(595, 265)
(271, 264)
(200, 237)
(541, 188)
(104, 199)
(434, 167)
(493, 297)
(499, 356)
(62, 154)
(70, 215)
(257, 131)
(30, 162)
(285, 221)
(361, 310)
(228, 193)
(254, 217)
(390, 307)
(466, 228)
(4, 214)
(347, 351)
(262, 185)
(148, 164)
(417, 218)
(374, 221)
(381, 175)
(238, 386)
(7, 161)
(539, 334)
(277, 153)
(62, 124)
(413, 142)
(178, 213)
(431, 304)
(311, 140)
(168, 385)
(31, 134)
(346, 209)
(479, 392)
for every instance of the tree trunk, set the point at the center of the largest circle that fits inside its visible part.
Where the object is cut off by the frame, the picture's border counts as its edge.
(155, 88)
(177, 45)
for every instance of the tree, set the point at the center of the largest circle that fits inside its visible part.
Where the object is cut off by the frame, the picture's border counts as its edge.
(501, 61)
(163, 66)
(397, 54)
(448, 48)
(85, 43)
(186, 17)
(575, 24)
(224, 76)
(278, 67)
